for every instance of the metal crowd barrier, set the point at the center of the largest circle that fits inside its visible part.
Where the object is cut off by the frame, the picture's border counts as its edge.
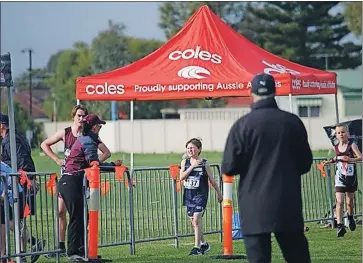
(145, 205)
(115, 220)
(41, 225)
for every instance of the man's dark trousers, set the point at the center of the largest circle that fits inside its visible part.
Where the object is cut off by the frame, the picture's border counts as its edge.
(294, 247)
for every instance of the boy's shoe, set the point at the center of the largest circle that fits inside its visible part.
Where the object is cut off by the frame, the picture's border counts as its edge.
(352, 224)
(195, 251)
(39, 246)
(205, 248)
(341, 230)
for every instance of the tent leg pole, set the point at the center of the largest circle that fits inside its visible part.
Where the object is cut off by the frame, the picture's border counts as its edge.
(132, 134)
(336, 108)
(290, 102)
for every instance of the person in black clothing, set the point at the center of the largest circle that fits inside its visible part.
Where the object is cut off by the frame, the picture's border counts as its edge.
(26, 163)
(83, 153)
(269, 149)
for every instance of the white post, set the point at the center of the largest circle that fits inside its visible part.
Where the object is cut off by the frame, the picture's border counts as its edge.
(336, 108)
(132, 134)
(290, 102)
(14, 168)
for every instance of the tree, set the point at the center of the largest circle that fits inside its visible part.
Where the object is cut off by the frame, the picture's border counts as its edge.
(23, 123)
(70, 64)
(139, 47)
(53, 62)
(38, 79)
(353, 15)
(173, 15)
(303, 32)
(109, 51)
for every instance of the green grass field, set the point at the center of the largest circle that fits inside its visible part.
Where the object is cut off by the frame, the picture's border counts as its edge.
(324, 245)
(44, 164)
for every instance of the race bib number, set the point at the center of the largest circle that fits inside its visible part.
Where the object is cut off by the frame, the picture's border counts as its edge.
(346, 169)
(192, 182)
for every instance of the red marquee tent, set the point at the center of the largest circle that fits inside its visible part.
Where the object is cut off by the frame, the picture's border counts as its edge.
(206, 58)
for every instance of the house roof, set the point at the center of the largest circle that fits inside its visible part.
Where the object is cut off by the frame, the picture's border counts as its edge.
(23, 98)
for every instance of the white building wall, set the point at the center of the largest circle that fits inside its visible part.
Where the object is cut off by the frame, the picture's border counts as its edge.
(212, 125)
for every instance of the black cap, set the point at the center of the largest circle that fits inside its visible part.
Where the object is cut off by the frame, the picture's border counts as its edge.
(263, 85)
(4, 119)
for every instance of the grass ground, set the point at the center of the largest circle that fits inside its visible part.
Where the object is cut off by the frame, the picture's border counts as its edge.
(44, 164)
(324, 245)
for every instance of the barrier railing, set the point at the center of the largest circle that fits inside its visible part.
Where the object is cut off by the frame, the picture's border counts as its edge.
(38, 213)
(115, 219)
(145, 205)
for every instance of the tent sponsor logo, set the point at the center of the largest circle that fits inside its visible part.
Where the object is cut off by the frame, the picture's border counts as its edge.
(277, 68)
(296, 84)
(196, 53)
(193, 72)
(105, 89)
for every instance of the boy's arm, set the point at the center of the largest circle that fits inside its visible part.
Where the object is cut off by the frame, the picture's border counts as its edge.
(358, 154)
(213, 182)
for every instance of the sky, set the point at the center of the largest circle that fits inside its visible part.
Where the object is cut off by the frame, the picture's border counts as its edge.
(47, 27)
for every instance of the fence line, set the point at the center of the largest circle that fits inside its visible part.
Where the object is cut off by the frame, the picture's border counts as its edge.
(145, 205)
(39, 224)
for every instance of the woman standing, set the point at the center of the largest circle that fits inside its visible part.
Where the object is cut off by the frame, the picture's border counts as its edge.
(83, 152)
(195, 173)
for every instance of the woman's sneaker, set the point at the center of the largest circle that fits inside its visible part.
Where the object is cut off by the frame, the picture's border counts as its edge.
(352, 224)
(341, 230)
(205, 247)
(195, 251)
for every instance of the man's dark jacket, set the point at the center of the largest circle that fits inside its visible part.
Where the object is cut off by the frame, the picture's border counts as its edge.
(23, 152)
(269, 149)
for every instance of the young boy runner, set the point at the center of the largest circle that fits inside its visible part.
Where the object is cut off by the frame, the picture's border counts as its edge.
(195, 173)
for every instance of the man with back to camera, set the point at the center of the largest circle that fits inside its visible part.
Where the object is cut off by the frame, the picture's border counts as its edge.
(269, 149)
